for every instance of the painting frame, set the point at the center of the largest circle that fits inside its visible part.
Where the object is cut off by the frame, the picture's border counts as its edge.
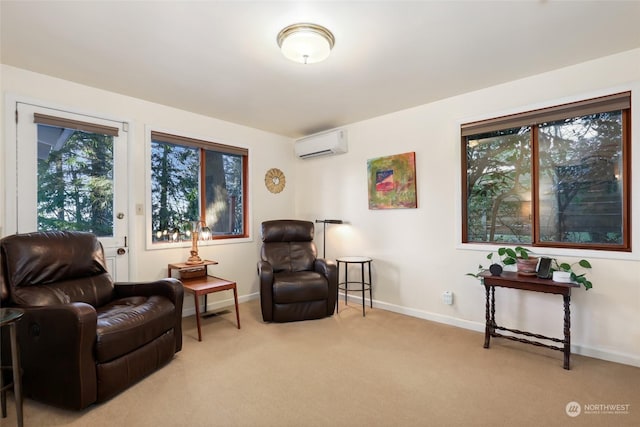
(392, 182)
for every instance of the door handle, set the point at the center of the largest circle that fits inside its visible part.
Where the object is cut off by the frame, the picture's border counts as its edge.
(121, 251)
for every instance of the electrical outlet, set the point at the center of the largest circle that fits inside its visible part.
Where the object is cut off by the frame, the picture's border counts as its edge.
(447, 297)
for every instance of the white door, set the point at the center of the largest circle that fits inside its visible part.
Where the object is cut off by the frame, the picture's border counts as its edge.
(71, 175)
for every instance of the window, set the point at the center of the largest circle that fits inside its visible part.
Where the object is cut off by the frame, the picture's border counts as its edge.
(75, 175)
(195, 180)
(557, 177)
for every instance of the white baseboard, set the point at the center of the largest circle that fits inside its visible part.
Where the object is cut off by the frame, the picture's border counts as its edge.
(597, 353)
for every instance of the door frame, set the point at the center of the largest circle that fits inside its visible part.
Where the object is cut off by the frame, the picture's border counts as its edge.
(9, 150)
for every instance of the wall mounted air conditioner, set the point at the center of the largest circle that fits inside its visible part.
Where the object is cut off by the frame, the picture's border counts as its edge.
(322, 144)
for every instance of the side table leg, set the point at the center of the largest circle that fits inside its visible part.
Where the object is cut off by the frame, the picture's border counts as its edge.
(370, 286)
(3, 396)
(567, 331)
(197, 304)
(15, 367)
(487, 327)
(364, 296)
(346, 283)
(235, 298)
(338, 288)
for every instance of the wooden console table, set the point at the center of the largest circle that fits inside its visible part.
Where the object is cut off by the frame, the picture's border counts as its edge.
(513, 280)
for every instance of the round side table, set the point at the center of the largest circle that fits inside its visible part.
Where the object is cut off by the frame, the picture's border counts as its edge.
(364, 284)
(9, 317)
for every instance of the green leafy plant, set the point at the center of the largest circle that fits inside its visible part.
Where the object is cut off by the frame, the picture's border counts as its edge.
(505, 256)
(575, 277)
(509, 256)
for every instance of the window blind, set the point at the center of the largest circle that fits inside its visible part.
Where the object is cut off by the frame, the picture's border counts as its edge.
(615, 102)
(44, 119)
(198, 143)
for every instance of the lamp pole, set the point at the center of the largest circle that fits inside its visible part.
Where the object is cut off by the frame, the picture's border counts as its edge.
(324, 232)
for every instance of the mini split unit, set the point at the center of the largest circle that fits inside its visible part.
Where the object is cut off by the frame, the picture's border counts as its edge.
(322, 144)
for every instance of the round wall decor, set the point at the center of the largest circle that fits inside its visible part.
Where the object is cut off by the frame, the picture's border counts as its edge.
(274, 180)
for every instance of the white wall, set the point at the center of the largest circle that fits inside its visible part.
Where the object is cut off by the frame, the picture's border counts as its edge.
(417, 252)
(237, 261)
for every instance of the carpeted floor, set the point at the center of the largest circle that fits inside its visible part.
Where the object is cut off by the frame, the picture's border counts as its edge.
(384, 369)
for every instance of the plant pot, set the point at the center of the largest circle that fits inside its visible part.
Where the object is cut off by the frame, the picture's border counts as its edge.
(528, 266)
(495, 269)
(562, 276)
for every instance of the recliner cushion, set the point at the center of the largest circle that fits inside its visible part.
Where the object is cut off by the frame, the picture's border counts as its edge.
(294, 256)
(37, 260)
(94, 290)
(299, 287)
(129, 323)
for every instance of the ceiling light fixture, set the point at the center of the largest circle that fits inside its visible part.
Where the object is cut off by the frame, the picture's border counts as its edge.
(306, 43)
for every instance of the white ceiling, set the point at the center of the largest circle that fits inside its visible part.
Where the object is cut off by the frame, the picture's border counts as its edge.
(221, 59)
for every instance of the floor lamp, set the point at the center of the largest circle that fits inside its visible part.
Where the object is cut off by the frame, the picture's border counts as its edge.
(324, 232)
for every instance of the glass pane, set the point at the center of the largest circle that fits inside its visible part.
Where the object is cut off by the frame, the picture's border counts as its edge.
(223, 188)
(581, 181)
(175, 175)
(75, 181)
(499, 186)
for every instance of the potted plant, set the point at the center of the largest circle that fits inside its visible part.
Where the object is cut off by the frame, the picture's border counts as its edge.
(524, 262)
(564, 272)
(505, 256)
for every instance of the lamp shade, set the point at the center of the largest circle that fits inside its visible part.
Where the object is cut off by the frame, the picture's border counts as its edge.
(306, 43)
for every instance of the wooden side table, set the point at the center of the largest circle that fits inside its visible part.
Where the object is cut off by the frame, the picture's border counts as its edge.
(204, 285)
(9, 317)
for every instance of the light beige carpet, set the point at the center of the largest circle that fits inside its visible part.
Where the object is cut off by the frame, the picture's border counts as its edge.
(384, 369)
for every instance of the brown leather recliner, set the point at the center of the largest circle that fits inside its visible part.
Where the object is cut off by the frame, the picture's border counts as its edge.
(84, 338)
(294, 283)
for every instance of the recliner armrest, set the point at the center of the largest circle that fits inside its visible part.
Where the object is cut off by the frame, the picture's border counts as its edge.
(169, 288)
(328, 269)
(56, 347)
(265, 273)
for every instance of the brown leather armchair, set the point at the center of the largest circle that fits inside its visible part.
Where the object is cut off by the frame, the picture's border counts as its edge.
(294, 283)
(84, 338)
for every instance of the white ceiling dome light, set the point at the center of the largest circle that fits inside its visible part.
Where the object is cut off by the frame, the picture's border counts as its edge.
(306, 43)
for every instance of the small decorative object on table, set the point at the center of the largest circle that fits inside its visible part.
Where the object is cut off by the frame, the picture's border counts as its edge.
(195, 232)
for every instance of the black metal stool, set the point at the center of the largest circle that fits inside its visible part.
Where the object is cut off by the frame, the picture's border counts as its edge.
(346, 260)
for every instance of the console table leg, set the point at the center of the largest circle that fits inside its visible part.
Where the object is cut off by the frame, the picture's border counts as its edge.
(567, 331)
(487, 333)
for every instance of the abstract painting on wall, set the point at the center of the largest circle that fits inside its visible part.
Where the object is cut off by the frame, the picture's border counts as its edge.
(392, 181)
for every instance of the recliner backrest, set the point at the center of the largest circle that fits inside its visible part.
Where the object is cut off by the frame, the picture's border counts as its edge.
(55, 267)
(288, 245)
